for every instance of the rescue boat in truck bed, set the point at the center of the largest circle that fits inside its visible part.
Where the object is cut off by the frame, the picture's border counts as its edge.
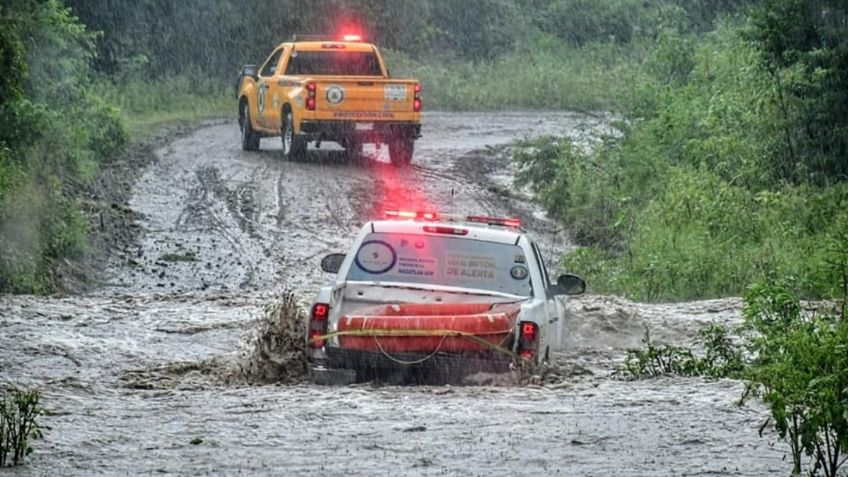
(429, 327)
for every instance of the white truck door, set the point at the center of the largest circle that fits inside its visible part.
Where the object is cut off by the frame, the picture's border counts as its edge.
(553, 308)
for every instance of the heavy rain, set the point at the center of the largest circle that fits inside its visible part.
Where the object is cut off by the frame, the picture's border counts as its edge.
(175, 178)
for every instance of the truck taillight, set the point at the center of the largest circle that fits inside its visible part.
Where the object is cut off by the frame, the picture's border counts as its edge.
(528, 331)
(528, 340)
(318, 324)
(311, 88)
(320, 312)
(416, 102)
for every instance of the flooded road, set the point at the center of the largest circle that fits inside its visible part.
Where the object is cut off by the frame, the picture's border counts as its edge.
(142, 376)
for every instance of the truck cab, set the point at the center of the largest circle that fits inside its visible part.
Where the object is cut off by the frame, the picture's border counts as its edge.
(428, 295)
(314, 89)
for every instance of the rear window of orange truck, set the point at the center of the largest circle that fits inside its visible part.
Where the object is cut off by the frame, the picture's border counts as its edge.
(333, 63)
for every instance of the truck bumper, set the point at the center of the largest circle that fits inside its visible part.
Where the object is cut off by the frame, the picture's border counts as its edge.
(364, 130)
(440, 368)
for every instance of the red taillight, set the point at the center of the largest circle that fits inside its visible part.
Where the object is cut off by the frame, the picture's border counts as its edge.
(311, 87)
(320, 311)
(528, 331)
(528, 340)
(318, 324)
(416, 102)
(314, 342)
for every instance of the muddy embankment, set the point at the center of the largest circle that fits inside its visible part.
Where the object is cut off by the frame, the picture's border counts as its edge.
(173, 364)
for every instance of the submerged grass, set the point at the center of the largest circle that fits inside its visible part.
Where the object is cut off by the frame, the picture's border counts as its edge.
(720, 357)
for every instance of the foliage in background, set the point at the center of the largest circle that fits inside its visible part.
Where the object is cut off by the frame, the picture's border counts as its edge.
(19, 412)
(731, 166)
(54, 130)
(482, 55)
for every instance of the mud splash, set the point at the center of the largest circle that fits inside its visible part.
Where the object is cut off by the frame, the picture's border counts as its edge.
(273, 352)
(276, 352)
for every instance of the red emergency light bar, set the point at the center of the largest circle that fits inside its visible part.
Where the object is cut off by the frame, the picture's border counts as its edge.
(510, 222)
(406, 214)
(351, 37)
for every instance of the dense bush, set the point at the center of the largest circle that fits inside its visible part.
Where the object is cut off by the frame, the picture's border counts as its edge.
(799, 371)
(714, 184)
(54, 130)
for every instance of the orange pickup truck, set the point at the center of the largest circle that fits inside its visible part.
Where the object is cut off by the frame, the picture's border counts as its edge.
(317, 89)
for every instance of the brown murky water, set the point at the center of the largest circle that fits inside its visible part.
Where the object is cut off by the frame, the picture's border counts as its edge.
(138, 377)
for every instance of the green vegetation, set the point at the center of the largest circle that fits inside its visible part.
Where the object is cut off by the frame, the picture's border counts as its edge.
(720, 357)
(800, 371)
(54, 131)
(19, 411)
(730, 167)
(147, 106)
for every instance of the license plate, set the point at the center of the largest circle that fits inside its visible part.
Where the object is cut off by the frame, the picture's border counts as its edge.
(395, 92)
(364, 126)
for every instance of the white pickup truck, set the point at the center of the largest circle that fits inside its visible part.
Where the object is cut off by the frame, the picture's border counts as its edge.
(425, 297)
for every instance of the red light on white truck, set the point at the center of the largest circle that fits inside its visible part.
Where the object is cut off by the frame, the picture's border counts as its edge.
(528, 340)
(511, 222)
(318, 324)
(411, 215)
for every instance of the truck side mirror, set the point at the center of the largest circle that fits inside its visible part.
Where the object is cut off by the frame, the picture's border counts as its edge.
(332, 262)
(569, 284)
(250, 70)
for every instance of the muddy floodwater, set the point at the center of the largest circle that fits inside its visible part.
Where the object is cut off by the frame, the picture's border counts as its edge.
(141, 375)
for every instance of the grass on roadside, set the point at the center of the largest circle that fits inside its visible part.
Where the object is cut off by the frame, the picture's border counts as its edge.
(146, 106)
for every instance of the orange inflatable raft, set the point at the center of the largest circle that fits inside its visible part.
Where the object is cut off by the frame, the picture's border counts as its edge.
(486, 321)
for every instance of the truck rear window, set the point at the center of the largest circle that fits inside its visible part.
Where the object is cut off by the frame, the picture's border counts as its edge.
(333, 63)
(447, 261)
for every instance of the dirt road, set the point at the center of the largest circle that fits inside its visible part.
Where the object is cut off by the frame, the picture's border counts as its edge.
(132, 373)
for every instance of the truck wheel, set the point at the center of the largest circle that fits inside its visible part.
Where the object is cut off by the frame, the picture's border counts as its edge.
(294, 146)
(249, 137)
(400, 150)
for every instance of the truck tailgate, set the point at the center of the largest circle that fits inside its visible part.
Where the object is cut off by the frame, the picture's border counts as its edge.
(346, 97)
